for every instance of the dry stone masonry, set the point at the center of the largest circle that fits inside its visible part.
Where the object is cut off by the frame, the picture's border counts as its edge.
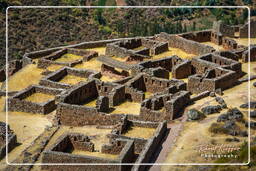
(161, 88)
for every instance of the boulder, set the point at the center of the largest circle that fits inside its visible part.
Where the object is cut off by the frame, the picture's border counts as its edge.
(211, 109)
(232, 139)
(235, 114)
(246, 105)
(221, 101)
(232, 114)
(243, 133)
(194, 114)
(212, 94)
(229, 125)
(254, 84)
(219, 91)
(222, 118)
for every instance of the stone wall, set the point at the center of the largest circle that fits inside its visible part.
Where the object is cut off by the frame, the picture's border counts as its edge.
(167, 63)
(112, 70)
(228, 54)
(244, 30)
(17, 102)
(139, 142)
(182, 70)
(150, 148)
(12, 139)
(2, 75)
(124, 48)
(198, 36)
(164, 107)
(77, 115)
(50, 59)
(216, 38)
(126, 155)
(155, 47)
(186, 45)
(245, 54)
(117, 95)
(221, 28)
(147, 83)
(220, 61)
(221, 78)
(228, 43)
(52, 79)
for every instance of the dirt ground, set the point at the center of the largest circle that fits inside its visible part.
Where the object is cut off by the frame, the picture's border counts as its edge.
(25, 77)
(26, 126)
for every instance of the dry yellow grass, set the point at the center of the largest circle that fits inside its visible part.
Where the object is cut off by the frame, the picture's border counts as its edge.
(140, 132)
(217, 47)
(93, 64)
(139, 48)
(39, 97)
(170, 75)
(69, 58)
(91, 103)
(54, 67)
(28, 75)
(174, 51)
(72, 79)
(127, 108)
(100, 50)
(95, 154)
(148, 94)
(107, 78)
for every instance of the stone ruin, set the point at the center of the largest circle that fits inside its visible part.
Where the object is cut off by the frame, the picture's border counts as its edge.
(19, 101)
(161, 87)
(53, 79)
(61, 152)
(12, 139)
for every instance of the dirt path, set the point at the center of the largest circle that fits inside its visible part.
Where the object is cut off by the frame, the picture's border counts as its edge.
(169, 143)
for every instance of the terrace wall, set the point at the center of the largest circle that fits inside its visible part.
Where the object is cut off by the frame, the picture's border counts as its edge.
(223, 29)
(150, 148)
(198, 36)
(126, 156)
(243, 31)
(186, 45)
(171, 103)
(245, 54)
(223, 79)
(17, 102)
(77, 115)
